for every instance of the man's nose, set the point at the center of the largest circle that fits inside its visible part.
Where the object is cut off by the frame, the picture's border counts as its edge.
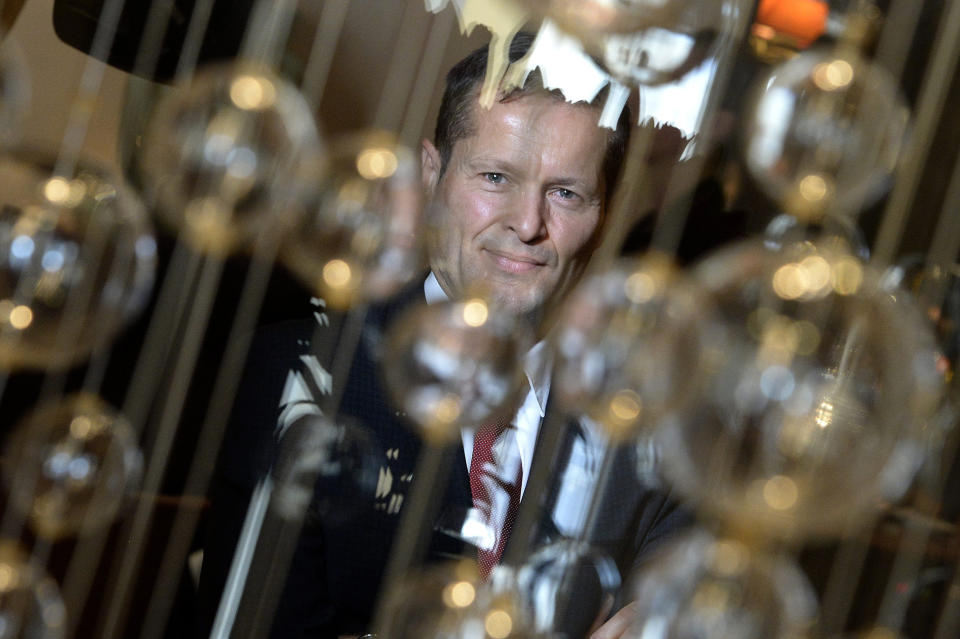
(527, 216)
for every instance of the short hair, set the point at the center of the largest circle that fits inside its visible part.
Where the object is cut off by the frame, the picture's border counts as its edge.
(454, 120)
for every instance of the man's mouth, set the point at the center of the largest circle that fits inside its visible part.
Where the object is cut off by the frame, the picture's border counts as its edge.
(513, 263)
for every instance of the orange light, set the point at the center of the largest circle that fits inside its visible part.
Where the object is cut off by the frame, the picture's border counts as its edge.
(806, 20)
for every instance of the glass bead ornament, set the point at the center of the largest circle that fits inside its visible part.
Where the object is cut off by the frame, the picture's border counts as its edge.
(232, 157)
(566, 584)
(701, 586)
(329, 466)
(839, 232)
(454, 364)
(820, 378)
(825, 132)
(71, 466)
(30, 603)
(629, 343)
(359, 240)
(77, 260)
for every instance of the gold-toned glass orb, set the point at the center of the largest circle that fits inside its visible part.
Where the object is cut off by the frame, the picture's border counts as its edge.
(14, 91)
(565, 587)
(231, 157)
(629, 345)
(840, 233)
(821, 377)
(700, 586)
(77, 260)
(359, 240)
(825, 132)
(454, 364)
(71, 465)
(30, 603)
(683, 35)
(431, 602)
(332, 467)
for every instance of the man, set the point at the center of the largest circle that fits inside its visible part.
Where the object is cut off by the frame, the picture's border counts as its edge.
(517, 199)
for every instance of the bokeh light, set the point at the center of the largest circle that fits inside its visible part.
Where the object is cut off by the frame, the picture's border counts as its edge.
(30, 603)
(71, 465)
(77, 260)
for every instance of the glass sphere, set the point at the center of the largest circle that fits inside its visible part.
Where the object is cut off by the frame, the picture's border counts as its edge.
(838, 232)
(30, 603)
(628, 345)
(71, 465)
(825, 133)
(818, 377)
(14, 91)
(360, 241)
(454, 364)
(566, 585)
(77, 259)
(705, 587)
(681, 36)
(232, 156)
(332, 467)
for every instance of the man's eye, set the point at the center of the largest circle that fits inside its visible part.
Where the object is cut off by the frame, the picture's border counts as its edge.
(495, 178)
(566, 194)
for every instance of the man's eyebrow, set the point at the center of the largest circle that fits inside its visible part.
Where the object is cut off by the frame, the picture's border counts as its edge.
(489, 162)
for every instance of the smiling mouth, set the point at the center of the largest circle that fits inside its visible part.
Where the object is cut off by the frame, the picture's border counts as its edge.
(514, 263)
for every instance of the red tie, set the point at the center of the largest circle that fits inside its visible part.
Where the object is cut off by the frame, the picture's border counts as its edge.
(496, 491)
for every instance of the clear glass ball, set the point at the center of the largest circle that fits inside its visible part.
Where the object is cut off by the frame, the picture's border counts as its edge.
(700, 586)
(359, 242)
(329, 466)
(825, 133)
(454, 364)
(30, 603)
(432, 601)
(72, 465)
(566, 584)
(77, 260)
(816, 380)
(232, 156)
(678, 38)
(838, 232)
(628, 345)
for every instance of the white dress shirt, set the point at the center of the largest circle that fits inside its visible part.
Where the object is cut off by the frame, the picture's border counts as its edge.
(537, 368)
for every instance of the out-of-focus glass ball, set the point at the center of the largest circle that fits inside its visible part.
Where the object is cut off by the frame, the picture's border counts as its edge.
(232, 156)
(332, 466)
(30, 603)
(705, 587)
(821, 377)
(14, 91)
(360, 241)
(77, 259)
(629, 345)
(566, 584)
(431, 602)
(71, 465)
(454, 364)
(825, 133)
(839, 233)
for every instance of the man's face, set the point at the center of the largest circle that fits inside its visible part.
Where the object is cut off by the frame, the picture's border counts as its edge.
(517, 210)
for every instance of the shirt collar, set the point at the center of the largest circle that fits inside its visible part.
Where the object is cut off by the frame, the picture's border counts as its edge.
(536, 363)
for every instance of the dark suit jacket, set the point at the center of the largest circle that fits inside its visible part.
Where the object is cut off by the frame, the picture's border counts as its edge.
(339, 562)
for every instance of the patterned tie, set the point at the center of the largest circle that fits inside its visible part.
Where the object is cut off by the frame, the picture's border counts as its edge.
(495, 488)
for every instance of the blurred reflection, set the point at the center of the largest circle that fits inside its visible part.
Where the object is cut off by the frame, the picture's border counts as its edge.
(77, 260)
(30, 602)
(824, 377)
(454, 364)
(360, 242)
(232, 156)
(839, 233)
(706, 587)
(71, 465)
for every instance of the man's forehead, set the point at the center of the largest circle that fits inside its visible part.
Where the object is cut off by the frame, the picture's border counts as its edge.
(532, 115)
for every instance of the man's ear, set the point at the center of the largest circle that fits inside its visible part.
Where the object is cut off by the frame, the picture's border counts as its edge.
(429, 167)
